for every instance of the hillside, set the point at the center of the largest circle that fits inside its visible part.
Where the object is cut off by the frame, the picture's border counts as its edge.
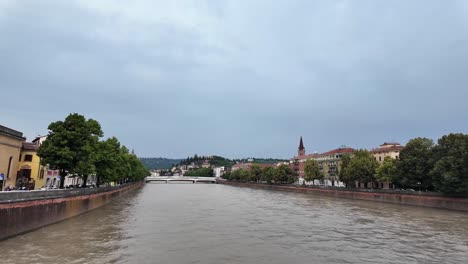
(159, 163)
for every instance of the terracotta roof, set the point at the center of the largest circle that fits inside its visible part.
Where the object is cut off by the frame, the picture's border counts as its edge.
(338, 151)
(390, 143)
(387, 149)
(29, 146)
(309, 156)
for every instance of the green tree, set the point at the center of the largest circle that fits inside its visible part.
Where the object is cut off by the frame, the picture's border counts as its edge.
(345, 159)
(201, 172)
(312, 171)
(450, 157)
(268, 173)
(388, 171)
(283, 174)
(69, 146)
(109, 159)
(361, 167)
(255, 172)
(415, 163)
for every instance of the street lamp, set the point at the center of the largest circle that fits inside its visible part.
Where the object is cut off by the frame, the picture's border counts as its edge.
(419, 186)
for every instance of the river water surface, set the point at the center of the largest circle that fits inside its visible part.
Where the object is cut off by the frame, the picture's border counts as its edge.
(198, 223)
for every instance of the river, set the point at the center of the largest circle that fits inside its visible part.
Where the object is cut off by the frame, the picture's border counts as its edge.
(211, 223)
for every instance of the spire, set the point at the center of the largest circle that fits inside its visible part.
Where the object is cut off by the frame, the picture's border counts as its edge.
(301, 145)
(133, 151)
(301, 151)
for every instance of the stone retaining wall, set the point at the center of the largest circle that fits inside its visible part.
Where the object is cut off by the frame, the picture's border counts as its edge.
(21, 212)
(438, 201)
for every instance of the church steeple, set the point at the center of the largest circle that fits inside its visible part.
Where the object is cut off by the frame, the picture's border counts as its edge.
(301, 151)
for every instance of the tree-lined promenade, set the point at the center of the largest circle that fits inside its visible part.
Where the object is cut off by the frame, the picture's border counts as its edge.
(74, 147)
(441, 167)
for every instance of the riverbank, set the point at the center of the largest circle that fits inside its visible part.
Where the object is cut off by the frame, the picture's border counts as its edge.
(415, 199)
(22, 212)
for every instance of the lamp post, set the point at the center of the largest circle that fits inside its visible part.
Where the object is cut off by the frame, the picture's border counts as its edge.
(419, 186)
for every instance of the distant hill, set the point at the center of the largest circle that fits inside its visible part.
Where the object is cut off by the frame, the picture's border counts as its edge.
(159, 163)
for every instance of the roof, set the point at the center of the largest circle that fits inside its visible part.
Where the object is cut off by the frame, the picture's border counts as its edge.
(387, 149)
(11, 133)
(309, 156)
(317, 155)
(29, 146)
(390, 143)
(338, 151)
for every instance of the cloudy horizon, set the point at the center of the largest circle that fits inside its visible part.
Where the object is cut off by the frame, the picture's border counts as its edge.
(237, 78)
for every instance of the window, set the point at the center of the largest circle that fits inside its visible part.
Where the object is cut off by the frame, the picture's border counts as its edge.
(20, 157)
(41, 174)
(27, 157)
(380, 158)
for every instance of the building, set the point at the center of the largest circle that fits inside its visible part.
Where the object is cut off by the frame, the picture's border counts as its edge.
(329, 162)
(10, 150)
(387, 149)
(218, 171)
(31, 174)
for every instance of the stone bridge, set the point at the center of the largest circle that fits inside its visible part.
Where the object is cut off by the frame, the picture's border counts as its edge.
(180, 179)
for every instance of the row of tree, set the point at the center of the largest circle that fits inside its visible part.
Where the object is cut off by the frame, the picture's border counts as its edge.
(73, 147)
(280, 175)
(442, 167)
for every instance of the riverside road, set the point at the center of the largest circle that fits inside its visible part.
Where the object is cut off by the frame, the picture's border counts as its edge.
(211, 223)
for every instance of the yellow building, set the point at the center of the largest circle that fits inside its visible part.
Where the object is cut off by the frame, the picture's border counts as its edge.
(391, 150)
(30, 172)
(10, 148)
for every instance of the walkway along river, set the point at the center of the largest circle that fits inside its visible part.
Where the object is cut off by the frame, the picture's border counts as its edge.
(198, 223)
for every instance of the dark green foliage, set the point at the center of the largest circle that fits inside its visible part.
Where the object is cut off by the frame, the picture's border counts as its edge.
(283, 174)
(361, 167)
(341, 174)
(73, 147)
(159, 163)
(312, 171)
(70, 146)
(450, 158)
(200, 172)
(388, 171)
(416, 163)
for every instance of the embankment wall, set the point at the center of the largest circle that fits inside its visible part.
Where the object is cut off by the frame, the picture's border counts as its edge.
(434, 201)
(21, 212)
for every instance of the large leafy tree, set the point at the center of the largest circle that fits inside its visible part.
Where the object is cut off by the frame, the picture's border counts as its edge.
(312, 171)
(388, 171)
(268, 173)
(345, 159)
(108, 160)
(69, 146)
(450, 157)
(283, 174)
(415, 163)
(255, 172)
(361, 167)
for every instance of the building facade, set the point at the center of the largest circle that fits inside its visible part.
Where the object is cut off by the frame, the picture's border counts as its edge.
(387, 149)
(10, 150)
(329, 163)
(31, 174)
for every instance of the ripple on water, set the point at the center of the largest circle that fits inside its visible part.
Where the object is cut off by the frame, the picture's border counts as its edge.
(224, 224)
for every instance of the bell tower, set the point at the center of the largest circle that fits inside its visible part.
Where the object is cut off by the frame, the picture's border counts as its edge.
(301, 151)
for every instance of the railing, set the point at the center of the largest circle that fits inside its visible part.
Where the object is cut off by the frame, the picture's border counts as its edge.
(21, 196)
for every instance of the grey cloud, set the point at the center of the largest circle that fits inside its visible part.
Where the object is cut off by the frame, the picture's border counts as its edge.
(238, 78)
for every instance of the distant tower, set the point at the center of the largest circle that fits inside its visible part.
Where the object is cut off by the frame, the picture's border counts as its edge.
(301, 151)
(133, 151)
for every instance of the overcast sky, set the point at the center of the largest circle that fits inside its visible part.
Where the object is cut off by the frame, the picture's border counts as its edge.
(237, 78)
